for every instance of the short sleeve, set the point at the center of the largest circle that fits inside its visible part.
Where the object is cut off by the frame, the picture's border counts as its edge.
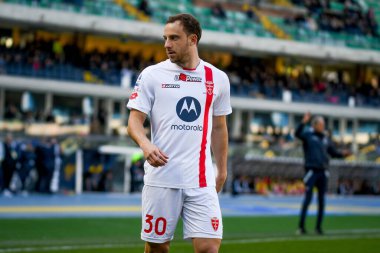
(222, 103)
(142, 96)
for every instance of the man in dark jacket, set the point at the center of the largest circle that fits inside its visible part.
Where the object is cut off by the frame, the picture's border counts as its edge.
(45, 157)
(317, 149)
(9, 163)
(27, 160)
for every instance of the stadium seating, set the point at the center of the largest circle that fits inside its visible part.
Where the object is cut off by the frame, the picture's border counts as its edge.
(97, 7)
(235, 21)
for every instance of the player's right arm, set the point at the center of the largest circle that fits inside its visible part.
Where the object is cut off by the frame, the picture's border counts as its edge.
(136, 131)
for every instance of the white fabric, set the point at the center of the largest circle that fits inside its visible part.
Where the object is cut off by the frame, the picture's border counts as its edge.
(162, 207)
(175, 99)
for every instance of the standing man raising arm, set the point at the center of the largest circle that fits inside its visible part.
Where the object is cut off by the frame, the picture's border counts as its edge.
(187, 101)
(317, 148)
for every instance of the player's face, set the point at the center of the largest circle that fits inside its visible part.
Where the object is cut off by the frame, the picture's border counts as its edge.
(177, 43)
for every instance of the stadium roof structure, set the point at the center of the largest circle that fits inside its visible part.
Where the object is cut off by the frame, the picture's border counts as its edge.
(17, 14)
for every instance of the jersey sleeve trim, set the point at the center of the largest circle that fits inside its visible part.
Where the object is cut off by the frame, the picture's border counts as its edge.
(138, 108)
(222, 113)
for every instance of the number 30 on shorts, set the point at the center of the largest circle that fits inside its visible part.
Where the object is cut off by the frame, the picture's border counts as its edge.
(159, 226)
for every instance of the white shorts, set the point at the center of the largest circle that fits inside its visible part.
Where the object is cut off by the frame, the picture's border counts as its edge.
(162, 207)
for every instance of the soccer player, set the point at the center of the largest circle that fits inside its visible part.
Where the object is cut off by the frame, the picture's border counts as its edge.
(187, 101)
(317, 148)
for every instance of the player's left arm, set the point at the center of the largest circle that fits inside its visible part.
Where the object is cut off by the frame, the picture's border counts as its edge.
(219, 146)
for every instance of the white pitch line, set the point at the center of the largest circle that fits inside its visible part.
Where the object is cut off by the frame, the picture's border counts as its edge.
(354, 234)
(300, 238)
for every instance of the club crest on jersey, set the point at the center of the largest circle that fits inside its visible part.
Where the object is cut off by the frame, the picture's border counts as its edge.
(186, 78)
(210, 87)
(215, 223)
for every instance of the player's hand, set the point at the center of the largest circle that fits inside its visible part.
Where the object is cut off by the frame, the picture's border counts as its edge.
(154, 155)
(220, 179)
(306, 117)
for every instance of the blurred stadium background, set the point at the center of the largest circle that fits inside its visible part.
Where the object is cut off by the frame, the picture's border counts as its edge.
(67, 68)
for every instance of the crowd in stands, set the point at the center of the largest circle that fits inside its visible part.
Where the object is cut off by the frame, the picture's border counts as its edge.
(352, 19)
(51, 59)
(243, 184)
(46, 165)
(20, 159)
(348, 186)
(259, 80)
(276, 142)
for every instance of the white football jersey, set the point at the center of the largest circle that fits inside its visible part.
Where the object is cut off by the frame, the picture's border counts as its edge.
(181, 103)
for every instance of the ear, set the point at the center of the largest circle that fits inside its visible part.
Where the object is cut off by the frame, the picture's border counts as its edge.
(193, 39)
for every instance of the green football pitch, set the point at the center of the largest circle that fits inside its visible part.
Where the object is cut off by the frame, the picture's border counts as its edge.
(241, 234)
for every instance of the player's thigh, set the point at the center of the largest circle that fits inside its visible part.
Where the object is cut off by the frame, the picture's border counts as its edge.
(201, 214)
(206, 245)
(161, 208)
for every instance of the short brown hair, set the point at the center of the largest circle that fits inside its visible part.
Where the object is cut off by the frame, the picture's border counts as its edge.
(190, 24)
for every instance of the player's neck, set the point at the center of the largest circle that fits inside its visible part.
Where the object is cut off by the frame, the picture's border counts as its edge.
(191, 64)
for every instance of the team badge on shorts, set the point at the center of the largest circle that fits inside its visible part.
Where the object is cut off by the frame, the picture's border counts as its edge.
(215, 223)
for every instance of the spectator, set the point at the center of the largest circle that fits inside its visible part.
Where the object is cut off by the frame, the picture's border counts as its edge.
(144, 7)
(27, 161)
(105, 181)
(371, 20)
(12, 113)
(46, 154)
(241, 185)
(2, 64)
(126, 75)
(345, 187)
(218, 11)
(9, 162)
(137, 175)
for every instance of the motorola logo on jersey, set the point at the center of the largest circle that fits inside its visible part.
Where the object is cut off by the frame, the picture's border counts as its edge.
(186, 78)
(188, 109)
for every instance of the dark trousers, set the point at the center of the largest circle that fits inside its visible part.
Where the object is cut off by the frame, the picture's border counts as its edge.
(314, 178)
(44, 179)
(8, 169)
(24, 174)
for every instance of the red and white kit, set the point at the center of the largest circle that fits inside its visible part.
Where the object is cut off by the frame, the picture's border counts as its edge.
(180, 103)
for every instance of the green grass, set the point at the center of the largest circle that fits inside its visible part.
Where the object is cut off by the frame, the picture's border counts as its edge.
(241, 234)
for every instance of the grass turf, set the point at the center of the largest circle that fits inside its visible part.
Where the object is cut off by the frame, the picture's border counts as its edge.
(241, 234)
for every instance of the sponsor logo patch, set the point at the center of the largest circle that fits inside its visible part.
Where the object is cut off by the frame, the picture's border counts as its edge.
(187, 78)
(135, 92)
(133, 95)
(170, 86)
(188, 109)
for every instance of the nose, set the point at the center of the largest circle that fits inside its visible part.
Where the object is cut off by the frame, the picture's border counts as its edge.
(168, 44)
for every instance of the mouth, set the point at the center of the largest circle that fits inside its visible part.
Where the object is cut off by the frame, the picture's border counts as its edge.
(170, 53)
